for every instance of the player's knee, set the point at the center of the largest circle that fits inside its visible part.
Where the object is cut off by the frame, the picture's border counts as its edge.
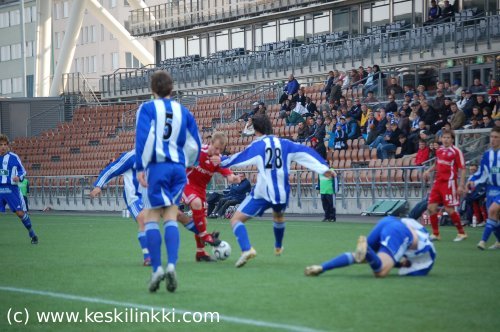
(20, 214)
(196, 204)
(432, 208)
(494, 211)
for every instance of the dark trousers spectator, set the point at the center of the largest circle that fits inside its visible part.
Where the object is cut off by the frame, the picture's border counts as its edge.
(223, 204)
(328, 202)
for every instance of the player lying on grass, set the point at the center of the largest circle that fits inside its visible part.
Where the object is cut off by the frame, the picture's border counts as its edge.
(195, 193)
(489, 172)
(11, 172)
(124, 165)
(272, 156)
(393, 242)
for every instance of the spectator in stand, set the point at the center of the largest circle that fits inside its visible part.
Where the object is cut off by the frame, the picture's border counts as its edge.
(311, 127)
(353, 130)
(354, 78)
(448, 12)
(378, 78)
(438, 103)
(390, 141)
(301, 96)
(319, 147)
(248, 130)
(245, 116)
(447, 106)
(290, 90)
(371, 135)
(422, 92)
(477, 87)
(368, 83)
(336, 93)
(261, 109)
(487, 111)
(434, 13)
(362, 73)
(493, 100)
(370, 98)
(429, 116)
(370, 123)
(285, 109)
(405, 106)
(427, 136)
(319, 131)
(467, 103)
(302, 132)
(456, 89)
(346, 82)
(236, 195)
(382, 122)
(407, 147)
(394, 88)
(364, 115)
(476, 112)
(481, 102)
(355, 110)
(446, 126)
(310, 106)
(487, 122)
(474, 123)
(340, 138)
(493, 88)
(448, 90)
(404, 122)
(457, 119)
(297, 110)
(391, 106)
(423, 153)
(330, 133)
(329, 84)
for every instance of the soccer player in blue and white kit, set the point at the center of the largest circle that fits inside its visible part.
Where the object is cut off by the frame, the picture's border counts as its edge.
(11, 172)
(167, 141)
(125, 165)
(402, 243)
(489, 172)
(272, 156)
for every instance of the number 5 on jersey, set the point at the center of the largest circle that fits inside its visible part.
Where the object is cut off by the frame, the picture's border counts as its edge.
(167, 131)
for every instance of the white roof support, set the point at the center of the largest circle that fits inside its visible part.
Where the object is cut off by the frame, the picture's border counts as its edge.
(43, 47)
(73, 29)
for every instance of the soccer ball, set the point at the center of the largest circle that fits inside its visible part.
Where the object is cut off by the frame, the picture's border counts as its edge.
(222, 251)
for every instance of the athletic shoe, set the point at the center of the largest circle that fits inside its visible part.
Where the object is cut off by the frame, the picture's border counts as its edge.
(213, 216)
(495, 246)
(278, 251)
(361, 247)
(147, 262)
(481, 224)
(481, 245)
(435, 237)
(34, 240)
(325, 220)
(313, 270)
(211, 239)
(205, 258)
(333, 220)
(156, 278)
(245, 257)
(171, 277)
(460, 237)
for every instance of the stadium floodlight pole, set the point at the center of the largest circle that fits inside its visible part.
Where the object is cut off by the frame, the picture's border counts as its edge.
(43, 47)
(123, 36)
(23, 48)
(68, 46)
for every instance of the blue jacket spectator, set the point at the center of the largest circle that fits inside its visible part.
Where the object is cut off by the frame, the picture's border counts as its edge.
(236, 195)
(352, 127)
(290, 89)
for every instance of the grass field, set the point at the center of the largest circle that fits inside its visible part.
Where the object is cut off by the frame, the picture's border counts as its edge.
(94, 262)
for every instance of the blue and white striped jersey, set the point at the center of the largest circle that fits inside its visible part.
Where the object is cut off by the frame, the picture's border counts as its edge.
(489, 170)
(273, 156)
(11, 166)
(166, 131)
(123, 165)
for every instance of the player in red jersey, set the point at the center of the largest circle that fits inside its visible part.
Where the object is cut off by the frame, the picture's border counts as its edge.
(450, 166)
(195, 192)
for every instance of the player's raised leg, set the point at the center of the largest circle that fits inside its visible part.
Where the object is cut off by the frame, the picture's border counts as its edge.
(492, 226)
(240, 231)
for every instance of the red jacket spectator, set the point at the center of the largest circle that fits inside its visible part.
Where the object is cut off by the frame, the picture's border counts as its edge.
(422, 153)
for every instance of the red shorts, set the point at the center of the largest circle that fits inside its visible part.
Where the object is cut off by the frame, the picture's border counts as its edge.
(444, 193)
(191, 193)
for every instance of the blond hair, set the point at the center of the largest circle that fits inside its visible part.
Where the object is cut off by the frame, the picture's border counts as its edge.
(4, 138)
(219, 136)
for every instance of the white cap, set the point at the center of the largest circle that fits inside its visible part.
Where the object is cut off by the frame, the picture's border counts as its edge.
(256, 103)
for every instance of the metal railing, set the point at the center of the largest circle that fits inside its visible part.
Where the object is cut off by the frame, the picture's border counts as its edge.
(404, 46)
(180, 15)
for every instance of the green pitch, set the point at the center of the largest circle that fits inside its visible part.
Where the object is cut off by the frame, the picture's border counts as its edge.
(94, 262)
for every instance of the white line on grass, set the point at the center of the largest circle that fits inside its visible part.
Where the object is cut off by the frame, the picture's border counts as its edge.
(231, 319)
